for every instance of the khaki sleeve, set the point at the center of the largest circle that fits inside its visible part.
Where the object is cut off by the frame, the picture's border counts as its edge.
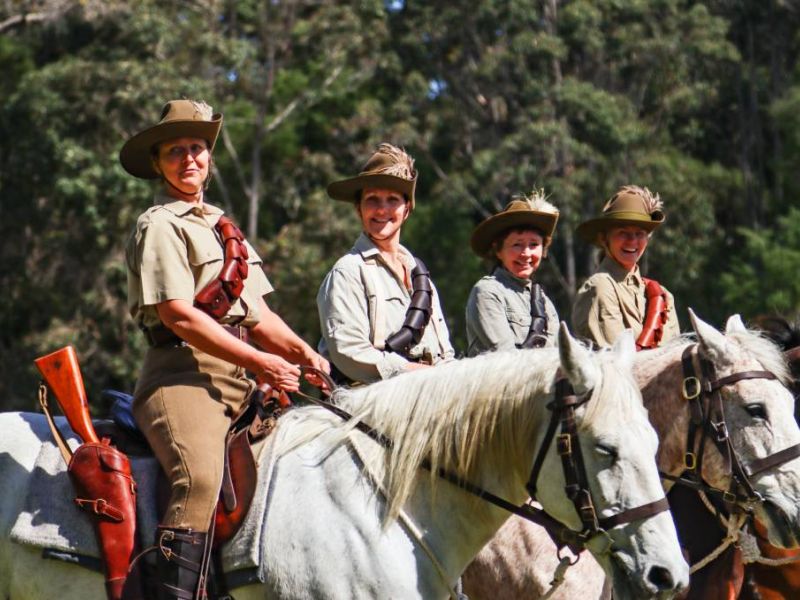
(596, 314)
(344, 321)
(488, 328)
(163, 264)
(256, 278)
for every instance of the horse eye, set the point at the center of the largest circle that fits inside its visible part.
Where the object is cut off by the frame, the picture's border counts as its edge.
(756, 410)
(606, 450)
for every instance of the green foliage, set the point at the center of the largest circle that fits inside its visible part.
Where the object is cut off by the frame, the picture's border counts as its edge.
(696, 100)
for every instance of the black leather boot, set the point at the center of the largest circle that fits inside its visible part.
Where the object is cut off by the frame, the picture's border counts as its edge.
(181, 564)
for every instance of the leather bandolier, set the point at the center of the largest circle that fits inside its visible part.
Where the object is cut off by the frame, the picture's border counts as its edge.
(418, 314)
(656, 315)
(218, 296)
(537, 333)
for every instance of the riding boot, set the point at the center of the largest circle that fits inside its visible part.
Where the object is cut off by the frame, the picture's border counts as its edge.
(181, 564)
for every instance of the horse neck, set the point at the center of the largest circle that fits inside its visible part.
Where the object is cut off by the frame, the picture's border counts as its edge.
(660, 378)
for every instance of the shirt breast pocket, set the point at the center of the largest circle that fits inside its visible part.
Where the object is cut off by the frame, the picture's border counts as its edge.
(206, 264)
(519, 322)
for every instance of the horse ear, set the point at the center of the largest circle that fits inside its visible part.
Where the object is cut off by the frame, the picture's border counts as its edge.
(735, 324)
(576, 362)
(712, 342)
(625, 349)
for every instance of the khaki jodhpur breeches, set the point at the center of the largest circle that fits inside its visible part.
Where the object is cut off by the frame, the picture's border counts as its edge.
(184, 402)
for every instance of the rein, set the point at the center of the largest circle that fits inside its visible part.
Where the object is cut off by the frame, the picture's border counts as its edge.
(703, 393)
(577, 488)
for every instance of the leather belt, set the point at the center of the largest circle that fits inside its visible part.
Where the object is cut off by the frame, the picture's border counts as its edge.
(161, 336)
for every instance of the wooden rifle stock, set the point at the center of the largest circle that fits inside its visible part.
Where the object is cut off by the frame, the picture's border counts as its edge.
(62, 374)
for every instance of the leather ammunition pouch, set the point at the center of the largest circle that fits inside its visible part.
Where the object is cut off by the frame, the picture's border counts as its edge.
(656, 316)
(418, 314)
(537, 333)
(218, 296)
(105, 489)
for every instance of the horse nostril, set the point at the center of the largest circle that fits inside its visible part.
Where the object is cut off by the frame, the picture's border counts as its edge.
(661, 578)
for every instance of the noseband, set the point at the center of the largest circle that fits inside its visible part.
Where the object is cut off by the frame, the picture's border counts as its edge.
(577, 483)
(703, 393)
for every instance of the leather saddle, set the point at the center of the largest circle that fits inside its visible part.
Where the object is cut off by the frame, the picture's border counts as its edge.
(253, 424)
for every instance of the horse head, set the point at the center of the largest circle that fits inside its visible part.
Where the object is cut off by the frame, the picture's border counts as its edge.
(617, 446)
(760, 420)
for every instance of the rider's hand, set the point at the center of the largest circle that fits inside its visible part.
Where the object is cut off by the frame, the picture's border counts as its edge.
(277, 372)
(318, 362)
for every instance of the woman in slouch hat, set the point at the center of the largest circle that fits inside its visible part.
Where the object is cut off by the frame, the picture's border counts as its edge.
(617, 297)
(506, 309)
(196, 289)
(379, 311)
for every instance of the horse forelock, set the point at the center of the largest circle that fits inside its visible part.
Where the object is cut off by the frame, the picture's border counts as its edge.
(757, 346)
(616, 400)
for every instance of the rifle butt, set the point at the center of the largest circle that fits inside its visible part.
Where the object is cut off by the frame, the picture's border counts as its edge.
(62, 374)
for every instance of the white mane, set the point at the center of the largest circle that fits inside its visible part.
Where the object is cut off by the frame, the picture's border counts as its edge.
(463, 413)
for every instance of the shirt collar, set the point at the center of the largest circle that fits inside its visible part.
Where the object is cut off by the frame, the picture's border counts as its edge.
(505, 276)
(181, 208)
(613, 268)
(368, 250)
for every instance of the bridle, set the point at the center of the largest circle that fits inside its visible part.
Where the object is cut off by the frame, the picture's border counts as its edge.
(569, 449)
(703, 393)
(574, 468)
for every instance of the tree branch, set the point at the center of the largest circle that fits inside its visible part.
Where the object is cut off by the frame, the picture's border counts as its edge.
(23, 19)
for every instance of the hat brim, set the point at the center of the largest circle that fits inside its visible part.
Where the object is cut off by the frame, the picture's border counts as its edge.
(349, 190)
(136, 154)
(589, 230)
(485, 233)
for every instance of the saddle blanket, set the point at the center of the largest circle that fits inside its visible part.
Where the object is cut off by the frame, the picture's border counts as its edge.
(51, 520)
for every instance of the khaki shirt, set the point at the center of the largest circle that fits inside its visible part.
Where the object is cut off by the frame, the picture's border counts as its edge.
(174, 252)
(361, 302)
(499, 313)
(613, 300)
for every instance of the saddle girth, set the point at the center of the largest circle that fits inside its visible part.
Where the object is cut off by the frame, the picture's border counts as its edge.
(218, 296)
(418, 314)
(537, 333)
(656, 315)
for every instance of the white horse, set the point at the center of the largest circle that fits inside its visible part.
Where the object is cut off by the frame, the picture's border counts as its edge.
(348, 519)
(520, 561)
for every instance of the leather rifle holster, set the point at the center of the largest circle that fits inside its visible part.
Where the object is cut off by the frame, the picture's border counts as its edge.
(105, 489)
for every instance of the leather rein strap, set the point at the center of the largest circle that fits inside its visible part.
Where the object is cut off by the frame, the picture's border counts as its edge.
(577, 483)
(703, 393)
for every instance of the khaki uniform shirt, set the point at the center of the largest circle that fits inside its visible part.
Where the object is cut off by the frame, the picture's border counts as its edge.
(361, 302)
(174, 252)
(613, 300)
(499, 313)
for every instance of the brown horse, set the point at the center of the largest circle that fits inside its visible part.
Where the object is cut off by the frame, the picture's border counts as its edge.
(659, 375)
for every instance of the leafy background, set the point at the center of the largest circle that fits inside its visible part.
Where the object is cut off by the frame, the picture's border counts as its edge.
(699, 101)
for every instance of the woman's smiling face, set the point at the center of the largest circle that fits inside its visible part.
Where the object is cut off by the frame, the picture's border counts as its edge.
(627, 244)
(521, 252)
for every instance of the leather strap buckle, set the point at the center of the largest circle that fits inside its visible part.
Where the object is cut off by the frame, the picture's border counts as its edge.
(690, 461)
(691, 388)
(564, 444)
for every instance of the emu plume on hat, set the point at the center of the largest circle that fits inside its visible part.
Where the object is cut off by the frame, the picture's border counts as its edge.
(389, 167)
(179, 118)
(630, 206)
(532, 211)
